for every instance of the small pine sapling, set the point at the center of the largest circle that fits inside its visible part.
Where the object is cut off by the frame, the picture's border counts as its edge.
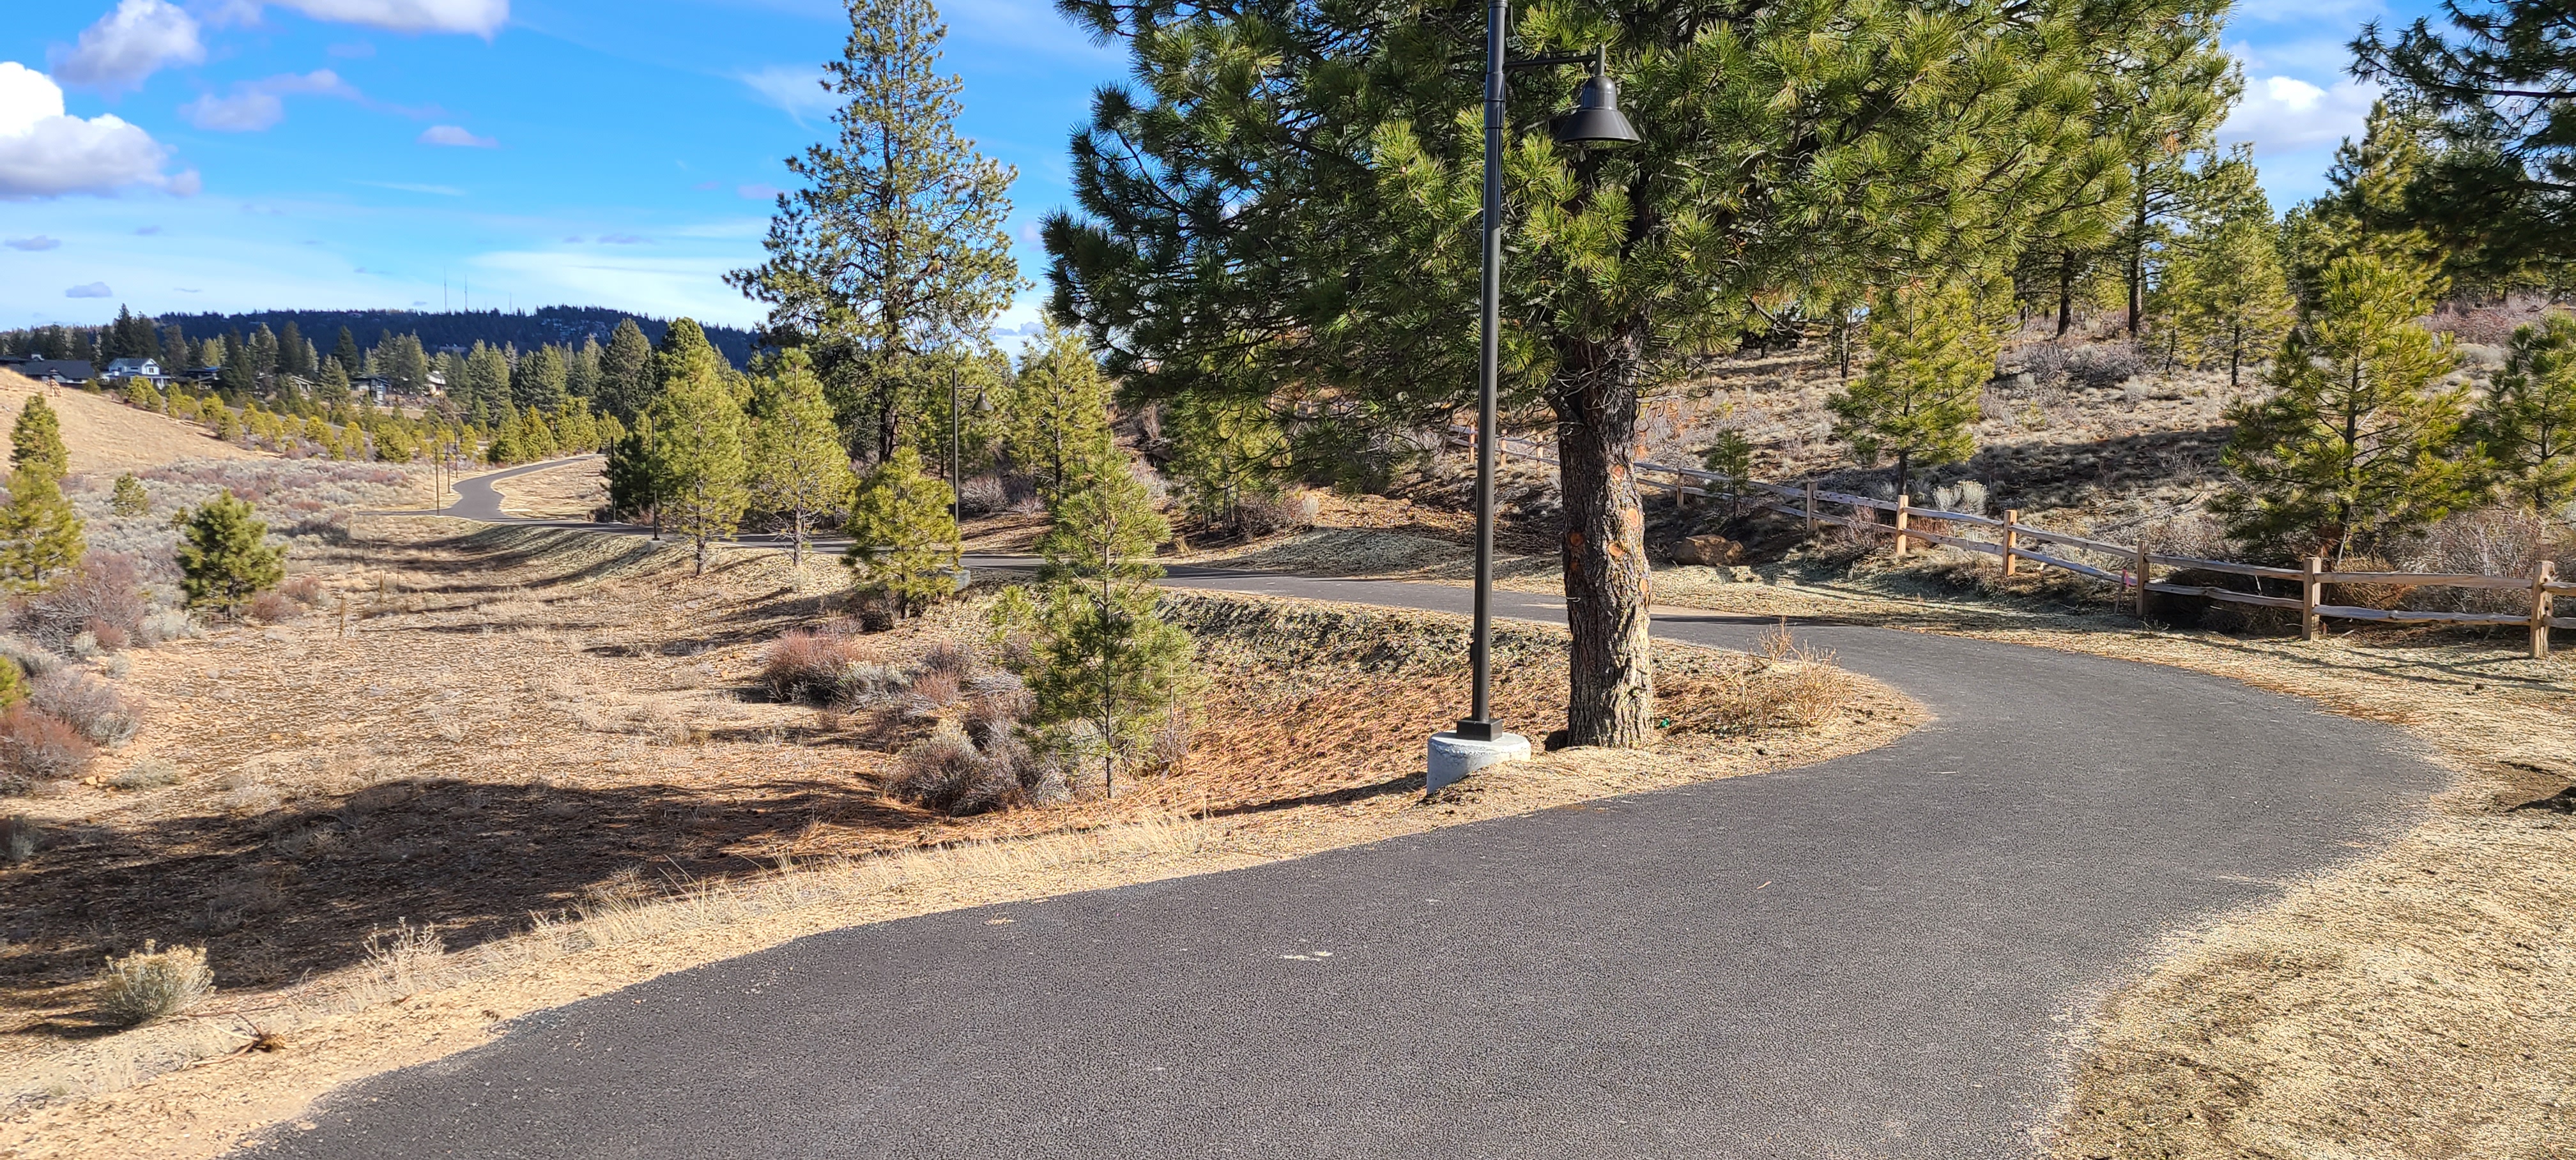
(129, 499)
(902, 536)
(224, 555)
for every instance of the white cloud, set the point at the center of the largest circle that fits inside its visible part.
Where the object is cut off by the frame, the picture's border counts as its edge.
(2284, 113)
(90, 290)
(129, 44)
(756, 191)
(478, 17)
(46, 154)
(240, 113)
(254, 105)
(455, 135)
(795, 89)
(39, 242)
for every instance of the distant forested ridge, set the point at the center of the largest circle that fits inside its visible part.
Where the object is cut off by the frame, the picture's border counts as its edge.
(526, 330)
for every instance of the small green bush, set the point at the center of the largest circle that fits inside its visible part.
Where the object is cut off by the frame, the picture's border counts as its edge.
(154, 984)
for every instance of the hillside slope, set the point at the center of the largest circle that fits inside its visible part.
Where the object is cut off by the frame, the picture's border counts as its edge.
(106, 435)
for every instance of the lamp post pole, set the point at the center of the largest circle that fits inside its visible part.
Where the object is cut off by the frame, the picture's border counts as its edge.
(1594, 120)
(1479, 725)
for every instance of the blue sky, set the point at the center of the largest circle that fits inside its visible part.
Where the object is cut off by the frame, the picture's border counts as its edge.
(241, 154)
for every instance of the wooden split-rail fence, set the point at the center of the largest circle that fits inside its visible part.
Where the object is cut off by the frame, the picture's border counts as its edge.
(2135, 570)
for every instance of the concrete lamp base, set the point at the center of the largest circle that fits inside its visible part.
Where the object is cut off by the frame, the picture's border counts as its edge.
(1454, 757)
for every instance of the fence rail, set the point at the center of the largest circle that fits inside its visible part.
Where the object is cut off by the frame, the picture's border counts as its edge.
(2136, 569)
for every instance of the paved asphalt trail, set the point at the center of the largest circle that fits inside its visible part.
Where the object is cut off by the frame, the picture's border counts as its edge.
(1884, 955)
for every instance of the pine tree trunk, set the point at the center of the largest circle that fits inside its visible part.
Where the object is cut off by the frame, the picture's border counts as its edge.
(1604, 546)
(2065, 294)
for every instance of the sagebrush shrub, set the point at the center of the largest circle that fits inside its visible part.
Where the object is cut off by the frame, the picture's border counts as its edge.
(807, 666)
(104, 598)
(39, 746)
(944, 772)
(146, 773)
(95, 707)
(950, 657)
(983, 495)
(2106, 366)
(154, 984)
(274, 608)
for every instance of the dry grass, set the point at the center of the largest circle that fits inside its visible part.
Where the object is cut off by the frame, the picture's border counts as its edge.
(527, 721)
(105, 435)
(153, 984)
(572, 491)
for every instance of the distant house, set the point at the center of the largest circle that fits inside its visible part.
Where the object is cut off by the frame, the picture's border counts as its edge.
(204, 374)
(136, 368)
(57, 370)
(373, 386)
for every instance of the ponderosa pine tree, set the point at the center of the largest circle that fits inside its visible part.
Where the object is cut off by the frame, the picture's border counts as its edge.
(798, 466)
(699, 444)
(902, 537)
(2358, 441)
(2498, 199)
(2526, 424)
(2230, 299)
(896, 246)
(36, 440)
(626, 372)
(224, 555)
(1302, 220)
(1056, 419)
(1104, 658)
(581, 371)
(345, 352)
(129, 499)
(1931, 349)
(1225, 449)
(540, 380)
(40, 534)
(634, 488)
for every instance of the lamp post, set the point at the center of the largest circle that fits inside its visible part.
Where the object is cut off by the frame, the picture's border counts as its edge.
(1594, 120)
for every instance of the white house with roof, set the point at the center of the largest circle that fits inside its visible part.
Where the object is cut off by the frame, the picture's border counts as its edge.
(147, 369)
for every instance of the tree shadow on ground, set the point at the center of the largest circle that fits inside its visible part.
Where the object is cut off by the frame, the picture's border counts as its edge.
(296, 891)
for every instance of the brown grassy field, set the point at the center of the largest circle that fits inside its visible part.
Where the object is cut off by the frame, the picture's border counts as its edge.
(105, 435)
(571, 492)
(478, 726)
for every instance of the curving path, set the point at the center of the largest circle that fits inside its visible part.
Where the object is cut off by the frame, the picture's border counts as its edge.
(1885, 955)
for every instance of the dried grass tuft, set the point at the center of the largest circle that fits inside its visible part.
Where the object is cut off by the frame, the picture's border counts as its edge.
(153, 984)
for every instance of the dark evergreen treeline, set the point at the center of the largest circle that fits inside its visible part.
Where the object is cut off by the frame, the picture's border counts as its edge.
(565, 326)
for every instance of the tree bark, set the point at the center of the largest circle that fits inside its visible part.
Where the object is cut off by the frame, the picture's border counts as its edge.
(2065, 293)
(1604, 545)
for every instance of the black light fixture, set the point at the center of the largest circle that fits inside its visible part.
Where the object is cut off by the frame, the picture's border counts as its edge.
(1595, 120)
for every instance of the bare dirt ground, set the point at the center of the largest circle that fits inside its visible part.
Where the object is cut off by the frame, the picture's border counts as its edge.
(105, 435)
(520, 722)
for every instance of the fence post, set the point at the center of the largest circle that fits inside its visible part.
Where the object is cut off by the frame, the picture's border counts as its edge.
(1903, 510)
(2012, 541)
(2311, 594)
(2541, 607)
(1811, 507)
(2142, 566)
